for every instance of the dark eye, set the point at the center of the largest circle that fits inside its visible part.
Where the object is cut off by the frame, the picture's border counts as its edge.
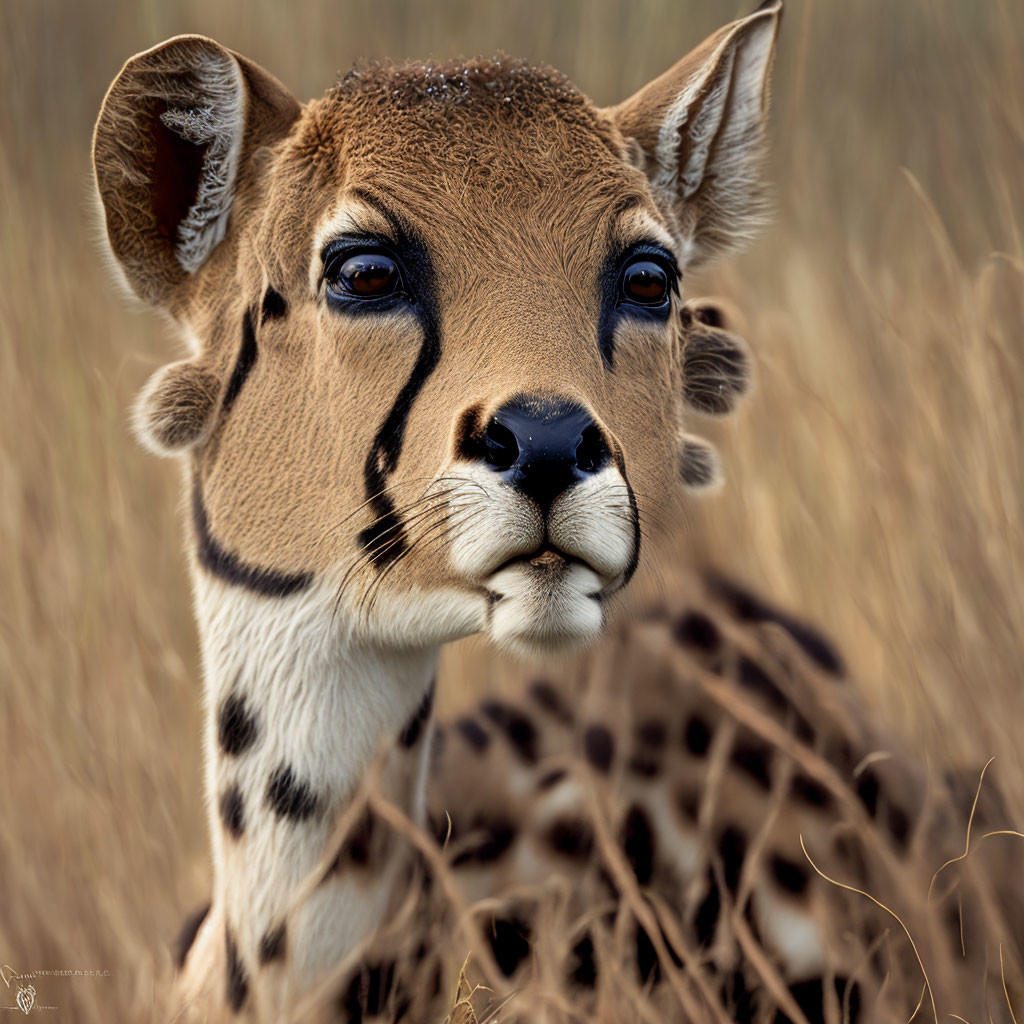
(645, 282)
(369, 275)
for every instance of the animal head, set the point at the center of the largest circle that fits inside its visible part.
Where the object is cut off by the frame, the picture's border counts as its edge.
(441, 357)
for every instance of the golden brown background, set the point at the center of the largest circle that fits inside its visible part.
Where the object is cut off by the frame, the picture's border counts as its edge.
(874, 480)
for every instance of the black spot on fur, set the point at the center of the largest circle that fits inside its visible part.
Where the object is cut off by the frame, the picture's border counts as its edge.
(732, 849)
(246, 360)
(694, 629)
(750, 608)
(706, 918)
(357, 845)
(696, 736)
(551, 701)
(688, 801)
(414, 729)
(754, 678)
(510, 943)
(753, 756)
(645, 767)
(368, 992)
(790, 875)
(438, 741)
(652, 734)
(599, 747)
(237, 727)
(868, 790)
(232, 810)
(647, 966)
(898, 823)
(551, 779)
(272, 945)
(291, 797)
(228, 566)
(583, 963)
(812, 793)
(491, 837)
(518, 729)
(741, 998)
(273, 306)
(572, 837)
(638, 844)
(237, 980)
(648, 963)
(474, 733)
(810, 997)
(187, 934)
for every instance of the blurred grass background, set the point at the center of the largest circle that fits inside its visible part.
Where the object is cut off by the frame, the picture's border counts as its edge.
(874, 481)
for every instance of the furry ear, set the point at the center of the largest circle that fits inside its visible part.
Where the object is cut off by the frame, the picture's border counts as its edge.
(171, 148)
(699, 466)
(176, 409)
(716, 363)
(698, 131)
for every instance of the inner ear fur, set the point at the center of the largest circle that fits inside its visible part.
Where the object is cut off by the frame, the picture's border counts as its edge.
(173, 146)
(716, 362)
(176, 409)
(700, 132)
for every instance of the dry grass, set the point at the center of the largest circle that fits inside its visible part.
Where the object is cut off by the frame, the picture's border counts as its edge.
(875, 479)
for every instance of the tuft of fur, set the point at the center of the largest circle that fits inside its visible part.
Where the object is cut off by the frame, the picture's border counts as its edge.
(174, 411)
(716, 368)
(699, 466)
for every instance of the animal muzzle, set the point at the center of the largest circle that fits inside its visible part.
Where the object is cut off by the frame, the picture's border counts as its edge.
(540, 445)
(543, 468)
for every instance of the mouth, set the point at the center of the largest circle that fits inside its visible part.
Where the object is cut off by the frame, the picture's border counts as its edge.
(545, 559)
(547, 567)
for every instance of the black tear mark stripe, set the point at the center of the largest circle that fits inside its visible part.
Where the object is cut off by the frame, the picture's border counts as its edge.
(243, 365)
(273, 306)
(228, 566)
(384, 539)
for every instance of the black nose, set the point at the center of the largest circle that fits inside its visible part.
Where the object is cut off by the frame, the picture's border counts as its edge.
(543, 446)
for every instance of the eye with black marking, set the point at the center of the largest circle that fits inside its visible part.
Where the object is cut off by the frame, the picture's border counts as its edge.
(645, 281)
(353, 276)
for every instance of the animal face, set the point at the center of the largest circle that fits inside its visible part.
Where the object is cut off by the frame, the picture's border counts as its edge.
(441, 358)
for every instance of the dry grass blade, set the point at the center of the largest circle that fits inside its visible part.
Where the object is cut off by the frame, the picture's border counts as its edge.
(970, 822)
(888, 910)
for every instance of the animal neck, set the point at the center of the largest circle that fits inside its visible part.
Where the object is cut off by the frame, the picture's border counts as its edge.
(297, 709)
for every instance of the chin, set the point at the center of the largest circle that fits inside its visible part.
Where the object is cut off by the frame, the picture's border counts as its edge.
(545, 607)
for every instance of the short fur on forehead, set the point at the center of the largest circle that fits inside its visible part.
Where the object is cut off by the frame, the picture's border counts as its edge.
(514, 84)
(499, 121)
